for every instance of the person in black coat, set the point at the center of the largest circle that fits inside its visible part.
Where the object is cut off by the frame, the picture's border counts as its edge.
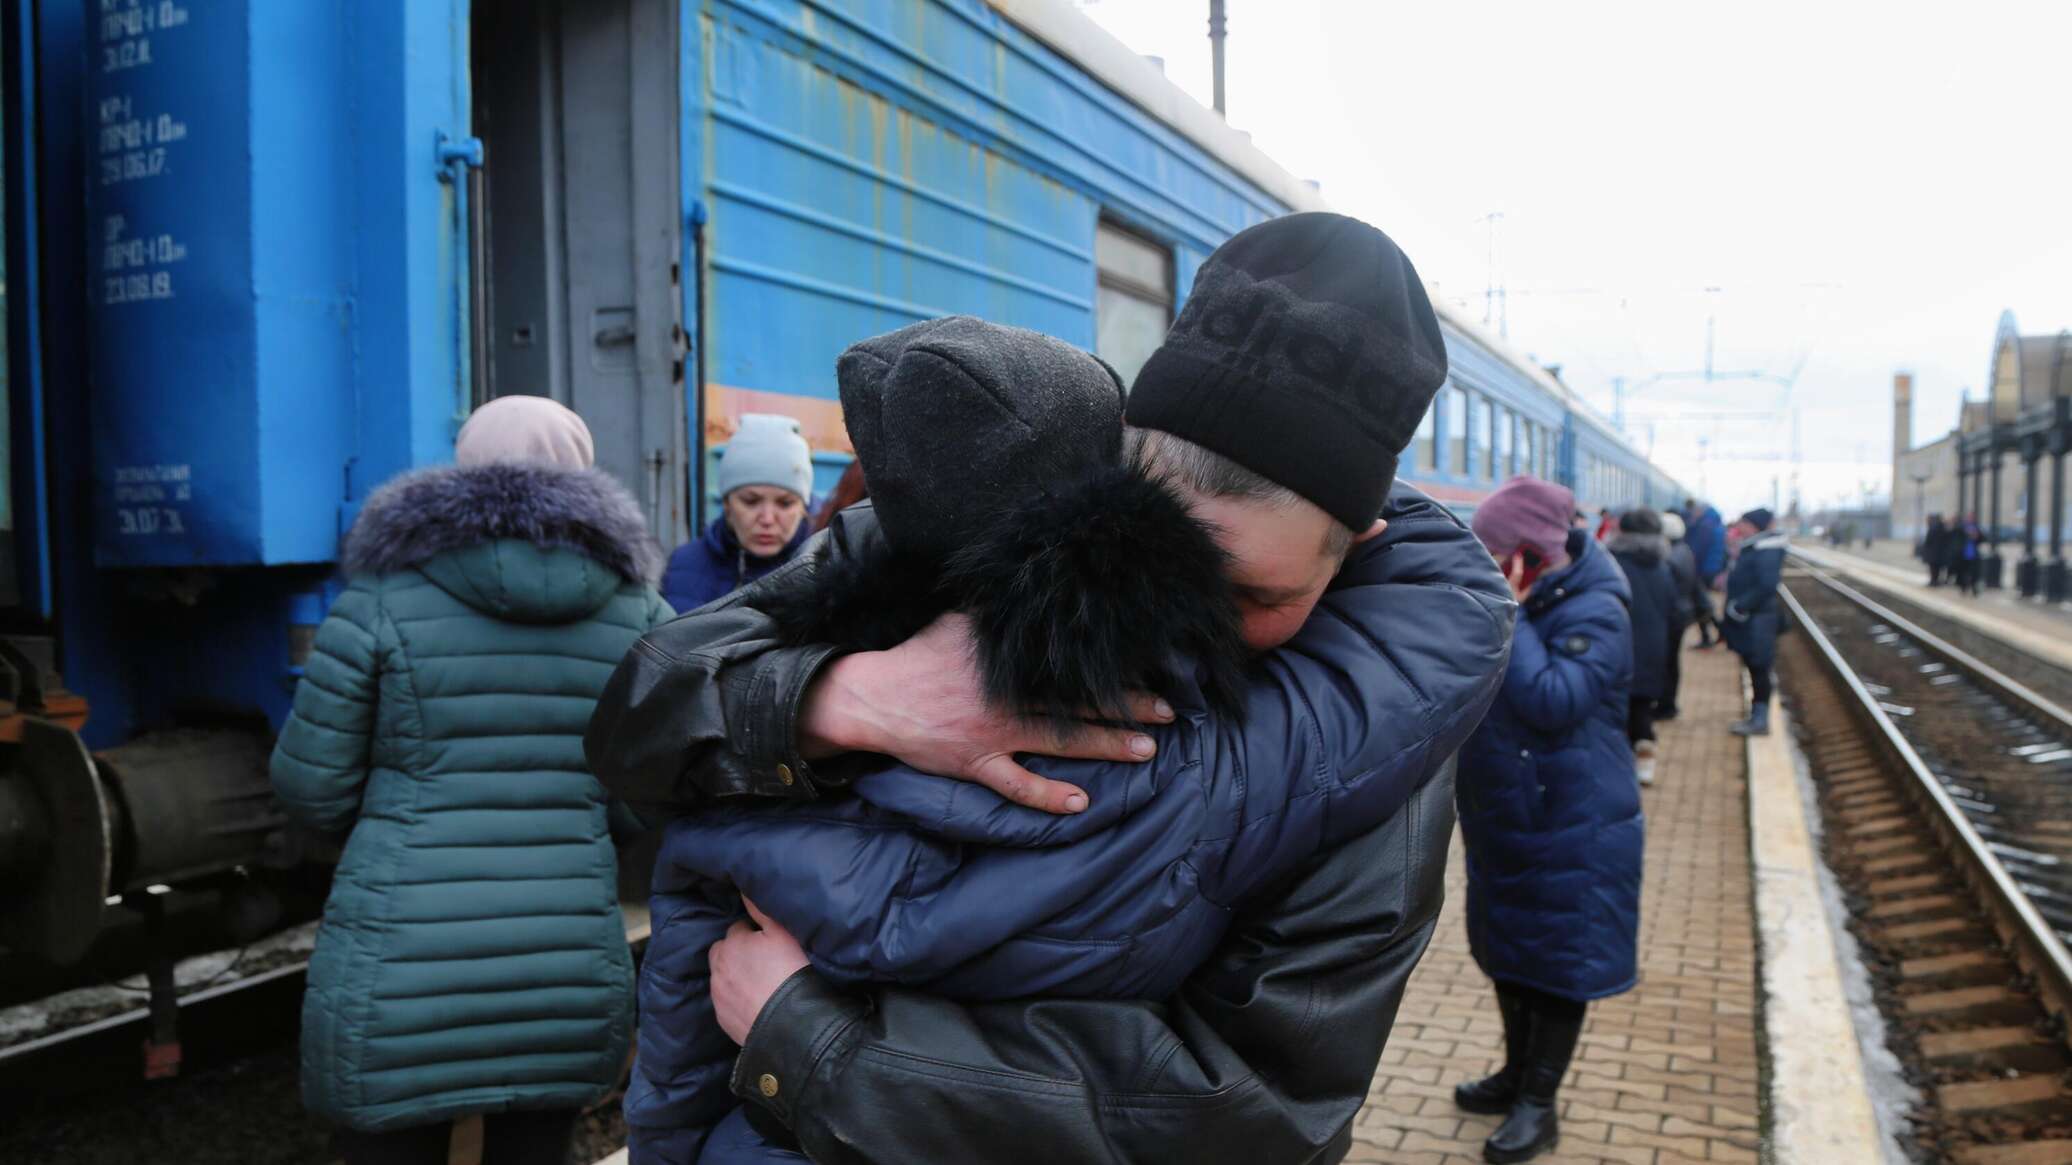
(1643, 553)
(1930, 551)
(1693, 605)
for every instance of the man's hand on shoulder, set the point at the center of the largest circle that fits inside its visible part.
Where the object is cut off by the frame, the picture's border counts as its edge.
(923, 704)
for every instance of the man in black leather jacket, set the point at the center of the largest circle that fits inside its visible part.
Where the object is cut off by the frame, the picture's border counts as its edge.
(1267, 1053)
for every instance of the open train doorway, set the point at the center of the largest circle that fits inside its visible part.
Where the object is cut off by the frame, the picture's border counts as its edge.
(577, 241)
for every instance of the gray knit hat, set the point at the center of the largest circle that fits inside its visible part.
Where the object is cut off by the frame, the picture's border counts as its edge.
(955, 419)
(767, 450)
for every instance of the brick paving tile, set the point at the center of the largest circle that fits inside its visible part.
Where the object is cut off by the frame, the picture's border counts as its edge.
(1665, 1074)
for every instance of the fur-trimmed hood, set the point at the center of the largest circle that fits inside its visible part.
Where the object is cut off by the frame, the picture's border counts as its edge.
(1646, 549)
(1078, 596)
(421, 515)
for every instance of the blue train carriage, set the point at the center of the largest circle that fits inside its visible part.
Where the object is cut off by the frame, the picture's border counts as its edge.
(287, 247)
(1498, 415)
(853, 168)
(263, 257)
(1606, 471)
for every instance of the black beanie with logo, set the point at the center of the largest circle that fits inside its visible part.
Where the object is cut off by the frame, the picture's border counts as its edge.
(1307, 353)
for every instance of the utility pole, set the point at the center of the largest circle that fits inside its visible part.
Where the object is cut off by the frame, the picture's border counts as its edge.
(1795, 457)
(1491, 294)
(1619, 404)
(1216, 35)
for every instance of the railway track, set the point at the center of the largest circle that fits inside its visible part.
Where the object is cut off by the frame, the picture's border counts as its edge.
(75, 1093)
(2003, 651)
(1946, 793)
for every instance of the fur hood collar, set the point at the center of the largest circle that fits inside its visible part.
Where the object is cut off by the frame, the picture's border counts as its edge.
(1076, 597)
(425, 513)
(1647, 549)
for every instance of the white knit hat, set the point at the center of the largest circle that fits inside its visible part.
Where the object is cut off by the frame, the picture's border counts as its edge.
(767, 450)
(1672, 526)
(531, 429)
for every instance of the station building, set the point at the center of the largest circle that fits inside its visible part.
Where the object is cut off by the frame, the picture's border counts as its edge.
(2004, 461)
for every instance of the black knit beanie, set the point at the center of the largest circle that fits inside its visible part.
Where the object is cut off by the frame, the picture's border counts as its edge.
(1640, 520)
(1307, 353)
(956, 418)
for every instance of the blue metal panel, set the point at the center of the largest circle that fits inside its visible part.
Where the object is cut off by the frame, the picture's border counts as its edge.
(27, 474)
(277, 269)
(172, 327)
(409, 85)
(873, 163)
(302, 302)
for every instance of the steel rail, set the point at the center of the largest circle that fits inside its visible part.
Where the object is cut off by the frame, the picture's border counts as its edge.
(28, 1049)
(2034, 944)
(205, 1003)
(2002, 684)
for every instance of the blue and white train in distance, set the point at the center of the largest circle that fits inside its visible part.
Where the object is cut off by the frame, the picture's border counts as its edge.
(261, 257)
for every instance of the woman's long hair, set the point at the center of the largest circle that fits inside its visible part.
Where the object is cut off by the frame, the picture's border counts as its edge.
(847, 492)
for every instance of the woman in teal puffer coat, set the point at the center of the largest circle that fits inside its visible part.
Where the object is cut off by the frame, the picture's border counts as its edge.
(472, 958)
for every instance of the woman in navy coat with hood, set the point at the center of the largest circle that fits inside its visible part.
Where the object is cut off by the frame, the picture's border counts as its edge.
(1550, 810)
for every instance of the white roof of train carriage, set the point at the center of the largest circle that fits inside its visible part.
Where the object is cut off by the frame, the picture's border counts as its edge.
(1074, 35)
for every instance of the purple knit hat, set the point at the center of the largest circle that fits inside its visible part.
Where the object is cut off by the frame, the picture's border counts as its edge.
(1525, 511)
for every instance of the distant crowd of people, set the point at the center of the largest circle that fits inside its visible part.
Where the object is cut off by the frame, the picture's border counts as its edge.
(1208, 833)
(1954, 553)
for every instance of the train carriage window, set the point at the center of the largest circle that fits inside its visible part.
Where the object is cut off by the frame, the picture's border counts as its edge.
(1476, 463)
(1428, 439)
(1506, 444)
(1492, 416)
(1456, 435)
(1528, 447)
(1133, 300)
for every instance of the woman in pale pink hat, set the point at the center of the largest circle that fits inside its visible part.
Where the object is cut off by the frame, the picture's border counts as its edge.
(472, 959)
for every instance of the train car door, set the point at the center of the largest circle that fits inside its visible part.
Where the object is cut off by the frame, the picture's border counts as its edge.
(579, 237)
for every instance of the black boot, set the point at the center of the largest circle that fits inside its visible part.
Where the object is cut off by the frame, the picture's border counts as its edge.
(1532, 1128)
(1493, 1094)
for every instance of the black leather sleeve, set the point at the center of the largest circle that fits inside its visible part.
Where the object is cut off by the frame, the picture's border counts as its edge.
(1265, 1056)
(706, 705)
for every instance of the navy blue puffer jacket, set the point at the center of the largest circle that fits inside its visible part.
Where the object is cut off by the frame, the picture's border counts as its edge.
(714, 565)
(1549, 807)
(941, 885)
(1752, 617)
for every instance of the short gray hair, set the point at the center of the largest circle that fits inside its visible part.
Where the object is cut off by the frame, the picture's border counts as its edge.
(1185, 465)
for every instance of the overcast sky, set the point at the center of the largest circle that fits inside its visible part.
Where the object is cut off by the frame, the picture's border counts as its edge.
(1867, 185)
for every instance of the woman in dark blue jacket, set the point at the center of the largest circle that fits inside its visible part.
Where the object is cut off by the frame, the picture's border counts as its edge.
(1549, 809)
(1751, 619)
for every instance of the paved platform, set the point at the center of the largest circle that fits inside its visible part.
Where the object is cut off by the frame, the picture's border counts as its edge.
(2040, 628)
(1666, 1074)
